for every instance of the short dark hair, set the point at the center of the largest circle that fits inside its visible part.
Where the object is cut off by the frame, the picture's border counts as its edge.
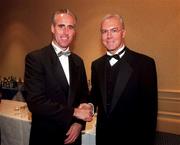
(62, 11)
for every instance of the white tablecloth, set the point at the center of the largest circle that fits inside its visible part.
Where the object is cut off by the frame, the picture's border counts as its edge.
(15, 124)
(88, 136)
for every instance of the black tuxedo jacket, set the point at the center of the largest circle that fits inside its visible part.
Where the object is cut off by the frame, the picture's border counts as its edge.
(133, 113)
(49, 97)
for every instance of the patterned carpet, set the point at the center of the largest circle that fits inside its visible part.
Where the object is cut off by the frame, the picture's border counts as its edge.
(167, 139)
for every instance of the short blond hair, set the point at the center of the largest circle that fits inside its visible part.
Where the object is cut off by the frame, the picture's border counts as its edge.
(109, 16)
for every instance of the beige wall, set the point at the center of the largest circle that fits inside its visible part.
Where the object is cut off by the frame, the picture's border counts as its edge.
(153, 28)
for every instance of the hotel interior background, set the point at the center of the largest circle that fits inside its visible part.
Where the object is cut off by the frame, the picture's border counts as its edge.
(153, 28)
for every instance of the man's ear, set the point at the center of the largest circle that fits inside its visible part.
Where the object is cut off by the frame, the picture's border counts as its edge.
(124, 33)
(52, 28)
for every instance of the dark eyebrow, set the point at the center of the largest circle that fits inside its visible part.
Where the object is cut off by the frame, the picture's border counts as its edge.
(61, 25)
(106, 30)
(71, 26)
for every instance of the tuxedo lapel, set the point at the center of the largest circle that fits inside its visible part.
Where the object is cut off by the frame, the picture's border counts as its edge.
(103, 80)
(74, 74)
(57, 69)
(124, 74)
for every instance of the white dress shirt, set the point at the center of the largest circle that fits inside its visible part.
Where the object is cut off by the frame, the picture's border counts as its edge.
(63, 60)
(112, 61)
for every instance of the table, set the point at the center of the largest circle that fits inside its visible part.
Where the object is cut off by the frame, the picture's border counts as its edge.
(88, 135)
(15, 124)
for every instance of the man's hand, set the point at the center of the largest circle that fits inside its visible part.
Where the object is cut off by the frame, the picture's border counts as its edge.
(87, 106)
(73, 133)
(84, 112)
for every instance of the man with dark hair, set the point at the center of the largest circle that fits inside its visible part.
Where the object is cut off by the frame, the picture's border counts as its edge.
(55, 85)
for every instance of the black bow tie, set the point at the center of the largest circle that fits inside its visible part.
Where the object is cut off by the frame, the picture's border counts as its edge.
(116, 56)
(66, 53)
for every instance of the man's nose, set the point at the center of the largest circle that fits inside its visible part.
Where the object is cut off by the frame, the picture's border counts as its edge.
(65, 30)
(109, 34)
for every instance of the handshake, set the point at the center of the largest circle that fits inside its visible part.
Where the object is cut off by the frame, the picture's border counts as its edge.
(85, 112)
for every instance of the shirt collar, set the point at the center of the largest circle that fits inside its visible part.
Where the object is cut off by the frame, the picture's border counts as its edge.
(57, 48)
(119, 49)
